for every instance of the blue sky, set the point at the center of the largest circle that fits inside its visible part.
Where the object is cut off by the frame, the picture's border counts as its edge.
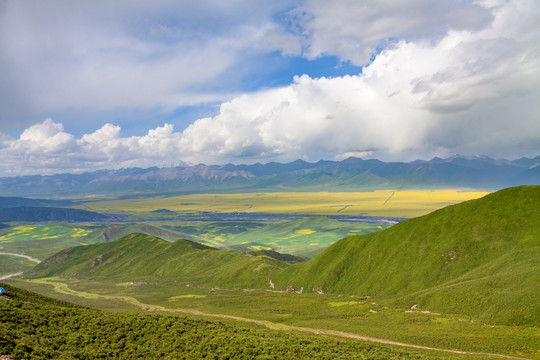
(93, 85)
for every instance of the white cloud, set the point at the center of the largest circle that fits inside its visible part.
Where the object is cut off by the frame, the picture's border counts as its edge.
(356, 154)
(472, 88)
(353, 30)
(47, 137)
(470, 91)
(102, 56)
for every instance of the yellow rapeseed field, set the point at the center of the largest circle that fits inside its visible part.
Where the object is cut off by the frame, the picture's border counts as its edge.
(392, 203)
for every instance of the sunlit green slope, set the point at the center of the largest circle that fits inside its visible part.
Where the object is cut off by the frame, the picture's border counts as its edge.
(36, 327)
(480, 257)
(140, 257)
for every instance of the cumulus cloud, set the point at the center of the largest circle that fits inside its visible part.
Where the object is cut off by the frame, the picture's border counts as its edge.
(45, 148)
(470, 91)
(460, 85)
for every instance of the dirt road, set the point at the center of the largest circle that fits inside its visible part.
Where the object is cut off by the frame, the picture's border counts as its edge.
(63, 288)
(9, 276)
(275, 326)
(23, 256)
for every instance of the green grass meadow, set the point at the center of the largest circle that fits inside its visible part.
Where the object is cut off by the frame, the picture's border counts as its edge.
(305, 237)
(374, 317)
(36, 327)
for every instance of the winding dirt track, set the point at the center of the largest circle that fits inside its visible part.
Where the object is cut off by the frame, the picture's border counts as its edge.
(10, 276)
(63, 288)
(274, 326)
(18, 255)
(23, 256)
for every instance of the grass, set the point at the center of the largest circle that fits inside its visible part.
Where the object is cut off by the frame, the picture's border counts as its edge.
(375, 203)
(478, 258)
(327, 311)
(13, 264)
(45, 239)
(37, 327)
(472, 269)
(40, 241)
(138, 257)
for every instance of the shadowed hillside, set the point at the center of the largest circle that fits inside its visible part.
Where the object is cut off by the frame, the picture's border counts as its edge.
(34, 213)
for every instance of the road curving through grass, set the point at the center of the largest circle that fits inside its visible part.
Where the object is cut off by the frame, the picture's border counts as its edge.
(63, 288)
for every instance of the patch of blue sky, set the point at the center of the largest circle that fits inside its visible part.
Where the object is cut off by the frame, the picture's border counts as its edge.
(265, 71)
(275, 70)
(324, 66)
(384, 43)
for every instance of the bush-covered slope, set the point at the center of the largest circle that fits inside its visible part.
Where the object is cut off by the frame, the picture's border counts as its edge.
(479, 257)
(139, 256)
(36, 327)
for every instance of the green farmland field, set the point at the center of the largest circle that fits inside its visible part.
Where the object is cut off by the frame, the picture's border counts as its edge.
(304, 237)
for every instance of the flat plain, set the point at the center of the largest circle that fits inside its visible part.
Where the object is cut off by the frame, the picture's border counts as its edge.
(387, 203)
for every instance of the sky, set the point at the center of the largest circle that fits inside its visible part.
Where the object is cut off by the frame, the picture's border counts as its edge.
(113, 84)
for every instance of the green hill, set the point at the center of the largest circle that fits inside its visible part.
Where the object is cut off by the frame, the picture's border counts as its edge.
(44, 240)
(480, 257)
(140, 257)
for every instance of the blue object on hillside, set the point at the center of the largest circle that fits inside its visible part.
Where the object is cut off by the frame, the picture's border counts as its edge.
(1, 291)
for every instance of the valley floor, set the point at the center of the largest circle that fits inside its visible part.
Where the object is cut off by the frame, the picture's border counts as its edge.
(336, 315)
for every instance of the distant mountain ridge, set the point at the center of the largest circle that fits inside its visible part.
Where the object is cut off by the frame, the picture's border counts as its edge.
(478, 172)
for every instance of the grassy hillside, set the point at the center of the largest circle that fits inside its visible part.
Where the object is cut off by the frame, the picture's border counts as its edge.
(303, 237)
(37, 327)
(141, 257)
(480, 257)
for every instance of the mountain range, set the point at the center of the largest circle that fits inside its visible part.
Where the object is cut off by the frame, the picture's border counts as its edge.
(352, 174)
